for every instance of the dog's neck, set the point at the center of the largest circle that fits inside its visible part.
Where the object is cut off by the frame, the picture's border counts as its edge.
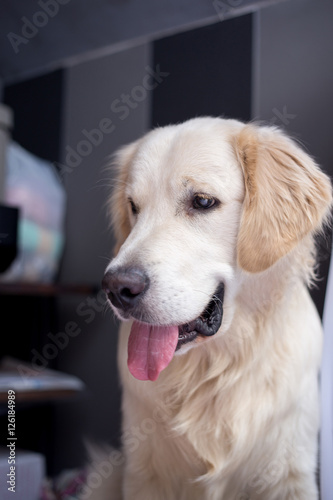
(261, 292)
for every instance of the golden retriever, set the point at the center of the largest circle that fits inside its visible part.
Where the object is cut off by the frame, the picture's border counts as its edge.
(221, 345)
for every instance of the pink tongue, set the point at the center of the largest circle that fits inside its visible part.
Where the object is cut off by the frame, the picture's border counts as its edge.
(150, 349)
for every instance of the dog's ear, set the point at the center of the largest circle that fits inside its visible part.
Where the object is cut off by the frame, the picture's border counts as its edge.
(119, 203)
(286, 196)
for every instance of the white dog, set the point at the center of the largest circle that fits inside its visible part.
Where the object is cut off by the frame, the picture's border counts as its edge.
(220, 352)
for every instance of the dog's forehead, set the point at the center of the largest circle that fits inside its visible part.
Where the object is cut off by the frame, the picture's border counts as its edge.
(178, 154)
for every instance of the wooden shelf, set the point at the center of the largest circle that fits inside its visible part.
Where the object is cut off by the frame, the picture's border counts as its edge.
(41, 289)
(35, 385)
(39, 396)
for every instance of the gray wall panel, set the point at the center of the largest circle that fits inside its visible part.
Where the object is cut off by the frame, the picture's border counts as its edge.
(294, 80)
(91, 89)
(296, 72)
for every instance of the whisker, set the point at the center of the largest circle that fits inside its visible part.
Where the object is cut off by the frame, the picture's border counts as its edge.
(108, 184)
(105, 257)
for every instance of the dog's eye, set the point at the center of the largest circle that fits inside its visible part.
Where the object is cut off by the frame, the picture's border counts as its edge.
(134, 208)
(202, 201)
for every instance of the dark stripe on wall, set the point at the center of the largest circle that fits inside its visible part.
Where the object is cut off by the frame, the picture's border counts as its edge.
(37, 106)
(209, 73)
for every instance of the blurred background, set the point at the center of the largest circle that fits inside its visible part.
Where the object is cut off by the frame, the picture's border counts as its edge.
(78, 79)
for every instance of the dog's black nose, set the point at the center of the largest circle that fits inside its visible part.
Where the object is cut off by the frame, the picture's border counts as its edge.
(125, 286)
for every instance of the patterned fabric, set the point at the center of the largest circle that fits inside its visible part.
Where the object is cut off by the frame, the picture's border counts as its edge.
(66, 486)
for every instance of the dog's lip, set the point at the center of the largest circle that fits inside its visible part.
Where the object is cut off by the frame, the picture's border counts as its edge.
(207, 324)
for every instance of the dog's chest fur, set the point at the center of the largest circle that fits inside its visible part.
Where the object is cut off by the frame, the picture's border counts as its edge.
(216, 420)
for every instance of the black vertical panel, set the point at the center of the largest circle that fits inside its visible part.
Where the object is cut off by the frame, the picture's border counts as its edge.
(318, 290)
(209, 73)
(37, 106)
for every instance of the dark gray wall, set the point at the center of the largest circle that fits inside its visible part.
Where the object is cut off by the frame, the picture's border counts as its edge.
(296, 72)
(33, 38)
(294, 81)
(91, 88)
(210, 72)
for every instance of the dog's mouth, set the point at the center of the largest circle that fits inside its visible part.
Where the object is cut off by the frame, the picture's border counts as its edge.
(207, 324)
(152, 347)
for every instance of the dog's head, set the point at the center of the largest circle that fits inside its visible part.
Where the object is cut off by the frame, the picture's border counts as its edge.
(195, 205)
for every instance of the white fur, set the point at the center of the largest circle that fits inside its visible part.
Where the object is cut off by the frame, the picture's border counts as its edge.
(234, 416)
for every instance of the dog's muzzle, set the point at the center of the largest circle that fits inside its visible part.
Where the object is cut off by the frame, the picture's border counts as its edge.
(151, 347)
(125, 287)
(208, 323)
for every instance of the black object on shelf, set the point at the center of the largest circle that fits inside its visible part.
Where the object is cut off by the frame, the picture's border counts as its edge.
(8, 236)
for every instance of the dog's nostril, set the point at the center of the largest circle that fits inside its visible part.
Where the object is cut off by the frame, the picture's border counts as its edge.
(131, 293)
(124, 287)
(126, 292)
